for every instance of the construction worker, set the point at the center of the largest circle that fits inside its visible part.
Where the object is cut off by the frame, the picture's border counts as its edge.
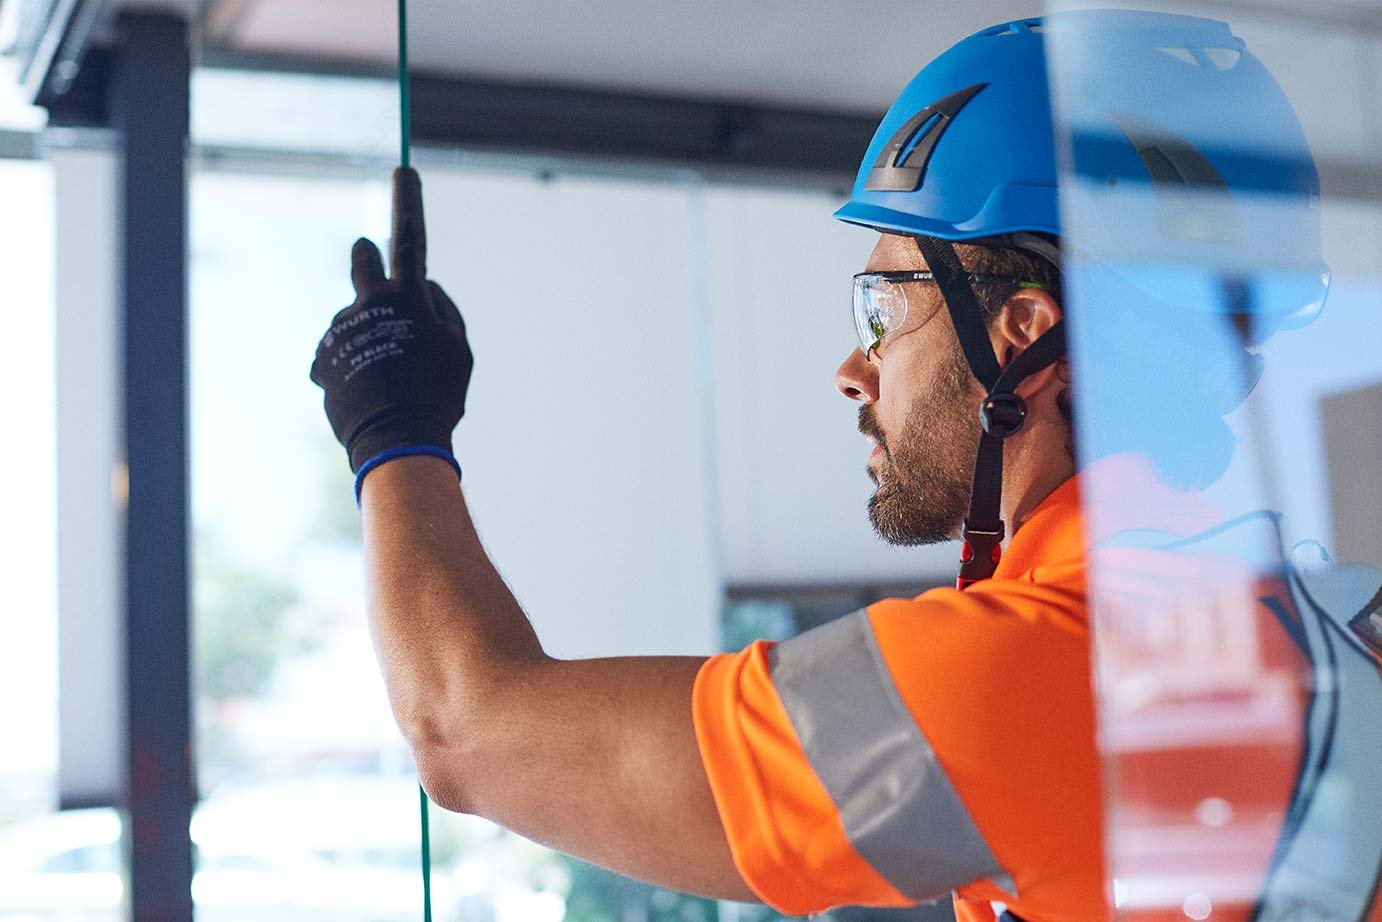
(919, 747)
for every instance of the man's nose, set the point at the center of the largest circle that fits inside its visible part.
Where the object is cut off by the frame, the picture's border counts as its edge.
(857, 378)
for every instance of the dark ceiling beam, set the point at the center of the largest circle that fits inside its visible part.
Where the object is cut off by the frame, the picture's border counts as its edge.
(590, 122)
(586, 122)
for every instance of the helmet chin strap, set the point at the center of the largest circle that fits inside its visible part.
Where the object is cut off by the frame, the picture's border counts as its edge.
(1001, 414)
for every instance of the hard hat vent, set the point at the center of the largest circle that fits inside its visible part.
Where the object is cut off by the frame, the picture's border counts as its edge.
(902, 162)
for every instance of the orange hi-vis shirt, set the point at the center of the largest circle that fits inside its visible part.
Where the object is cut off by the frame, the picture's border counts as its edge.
(923, 746)
(947, 742)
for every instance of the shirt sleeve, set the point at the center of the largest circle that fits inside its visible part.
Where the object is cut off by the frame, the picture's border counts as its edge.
(784, 829)
(911, 748)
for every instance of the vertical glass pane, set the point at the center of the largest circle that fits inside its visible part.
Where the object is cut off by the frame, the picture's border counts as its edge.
(1221, 238)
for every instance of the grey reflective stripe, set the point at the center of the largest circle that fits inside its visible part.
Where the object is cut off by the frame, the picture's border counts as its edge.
(899, 809)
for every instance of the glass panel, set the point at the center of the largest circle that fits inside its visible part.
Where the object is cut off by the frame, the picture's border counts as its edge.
(1227, 427)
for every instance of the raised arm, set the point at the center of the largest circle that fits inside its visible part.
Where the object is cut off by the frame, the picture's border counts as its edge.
(597, 758)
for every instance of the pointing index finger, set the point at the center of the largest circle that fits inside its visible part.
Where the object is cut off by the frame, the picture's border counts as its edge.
(408, 259)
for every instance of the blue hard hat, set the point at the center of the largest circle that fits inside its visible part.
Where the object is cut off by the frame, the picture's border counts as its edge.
(967, 149)
(1180, 154)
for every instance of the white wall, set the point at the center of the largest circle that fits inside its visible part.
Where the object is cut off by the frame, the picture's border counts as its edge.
(582, 445)
(654, 411)
(599, 451)
(793, 487)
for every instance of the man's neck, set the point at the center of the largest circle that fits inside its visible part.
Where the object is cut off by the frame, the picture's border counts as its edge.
(1034, 465)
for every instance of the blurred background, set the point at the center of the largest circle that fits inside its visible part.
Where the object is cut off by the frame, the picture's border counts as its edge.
(631, 204)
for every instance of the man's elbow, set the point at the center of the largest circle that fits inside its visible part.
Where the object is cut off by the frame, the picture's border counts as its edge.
(456, 752)
(461, 736)
(447, 777)
(444, 748)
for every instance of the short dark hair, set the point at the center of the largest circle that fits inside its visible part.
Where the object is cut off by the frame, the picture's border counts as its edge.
(997, 257)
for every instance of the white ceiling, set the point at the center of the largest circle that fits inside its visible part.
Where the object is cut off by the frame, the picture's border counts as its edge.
(847, 54)
(817, 53)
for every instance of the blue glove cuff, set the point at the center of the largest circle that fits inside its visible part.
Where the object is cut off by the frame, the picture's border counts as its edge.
(403, 451)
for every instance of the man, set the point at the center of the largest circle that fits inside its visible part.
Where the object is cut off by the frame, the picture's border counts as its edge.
(942, 743)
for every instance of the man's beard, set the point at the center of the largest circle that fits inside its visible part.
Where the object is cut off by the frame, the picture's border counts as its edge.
(925, 475)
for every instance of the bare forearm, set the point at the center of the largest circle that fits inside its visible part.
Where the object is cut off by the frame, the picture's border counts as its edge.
(445, 626)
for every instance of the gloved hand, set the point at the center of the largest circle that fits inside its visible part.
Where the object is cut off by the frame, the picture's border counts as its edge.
(395, 365)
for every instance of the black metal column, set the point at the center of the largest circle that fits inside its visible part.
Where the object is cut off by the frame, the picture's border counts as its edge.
(150, 112)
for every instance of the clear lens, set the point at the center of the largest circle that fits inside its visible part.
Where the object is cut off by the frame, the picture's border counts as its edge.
(880, 308)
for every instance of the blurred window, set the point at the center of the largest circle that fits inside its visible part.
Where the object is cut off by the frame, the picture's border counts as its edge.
(53, 865)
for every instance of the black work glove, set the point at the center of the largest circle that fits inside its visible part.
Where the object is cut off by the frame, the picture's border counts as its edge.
(395, 365)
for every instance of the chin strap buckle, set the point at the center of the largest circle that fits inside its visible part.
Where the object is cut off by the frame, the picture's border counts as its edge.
(1002, 414)
(979, 554)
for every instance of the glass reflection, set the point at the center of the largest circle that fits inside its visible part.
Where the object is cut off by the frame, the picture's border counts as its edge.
(1210, 323)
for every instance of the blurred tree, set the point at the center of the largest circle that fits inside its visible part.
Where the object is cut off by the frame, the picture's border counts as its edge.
(241, 633)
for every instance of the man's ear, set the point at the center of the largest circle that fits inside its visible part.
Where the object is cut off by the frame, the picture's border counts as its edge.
(1025, 316)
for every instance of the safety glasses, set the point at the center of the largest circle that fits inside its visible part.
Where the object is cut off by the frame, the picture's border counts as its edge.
(881, 305)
